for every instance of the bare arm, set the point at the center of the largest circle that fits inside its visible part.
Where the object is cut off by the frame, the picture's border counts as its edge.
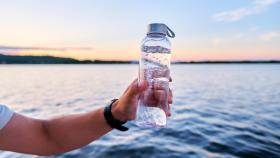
(47, 137)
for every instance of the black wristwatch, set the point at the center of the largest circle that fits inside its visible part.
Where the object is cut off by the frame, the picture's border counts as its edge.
(112, 122)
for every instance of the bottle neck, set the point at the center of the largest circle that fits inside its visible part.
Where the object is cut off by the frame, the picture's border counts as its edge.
(156, 35)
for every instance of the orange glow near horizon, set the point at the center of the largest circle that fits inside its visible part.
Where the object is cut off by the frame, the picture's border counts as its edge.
(177, 55)
(180, 51)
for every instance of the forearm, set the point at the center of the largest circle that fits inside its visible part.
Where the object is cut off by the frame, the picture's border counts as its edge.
(47, 137)
(73, 131)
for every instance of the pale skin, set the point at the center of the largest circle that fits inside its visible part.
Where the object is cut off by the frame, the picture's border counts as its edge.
(53, 136)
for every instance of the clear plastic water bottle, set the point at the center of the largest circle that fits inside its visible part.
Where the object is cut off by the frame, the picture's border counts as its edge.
(154, 67)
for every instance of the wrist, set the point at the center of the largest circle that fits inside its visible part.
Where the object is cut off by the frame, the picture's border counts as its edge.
(117, 112)
(114, 120)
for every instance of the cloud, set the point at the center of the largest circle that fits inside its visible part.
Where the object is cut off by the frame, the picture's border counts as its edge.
(218, 41)
(237, 14)
(269, 36)
(17, 48)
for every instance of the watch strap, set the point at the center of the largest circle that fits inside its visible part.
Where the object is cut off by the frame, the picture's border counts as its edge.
(111, 121)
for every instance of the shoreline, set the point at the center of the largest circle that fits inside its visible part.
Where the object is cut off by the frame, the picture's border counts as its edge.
(15, 59)
(136, 63)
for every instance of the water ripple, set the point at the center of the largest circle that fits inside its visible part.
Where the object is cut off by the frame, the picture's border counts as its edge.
(219, 110)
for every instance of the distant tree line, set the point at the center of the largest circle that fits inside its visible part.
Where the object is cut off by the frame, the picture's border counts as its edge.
(15, 59)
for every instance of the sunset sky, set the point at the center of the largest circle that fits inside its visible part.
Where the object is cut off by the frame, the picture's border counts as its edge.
(113, 29)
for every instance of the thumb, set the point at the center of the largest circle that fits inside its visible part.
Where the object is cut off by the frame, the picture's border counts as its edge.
(137, 88)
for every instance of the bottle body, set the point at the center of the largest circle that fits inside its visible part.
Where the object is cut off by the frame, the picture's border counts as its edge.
(154, 67)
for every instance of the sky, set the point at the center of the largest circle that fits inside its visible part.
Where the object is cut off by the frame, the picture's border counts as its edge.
(114, 29)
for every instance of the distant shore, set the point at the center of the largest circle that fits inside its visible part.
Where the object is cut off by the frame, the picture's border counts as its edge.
(14, 59)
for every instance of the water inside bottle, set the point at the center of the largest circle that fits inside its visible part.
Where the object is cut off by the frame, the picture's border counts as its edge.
(154, 68)
(154, 101)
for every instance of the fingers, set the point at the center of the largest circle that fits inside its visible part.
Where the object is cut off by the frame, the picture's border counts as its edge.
(161, 96)
(157, 96)
(149, 98)
(168, 111)
(170, 101)
(133, 82)
(136, 88)
(170, 97)
(160, 85)
(142, 86)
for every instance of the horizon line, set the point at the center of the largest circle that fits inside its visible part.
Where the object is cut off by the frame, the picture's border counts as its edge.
(137, 61)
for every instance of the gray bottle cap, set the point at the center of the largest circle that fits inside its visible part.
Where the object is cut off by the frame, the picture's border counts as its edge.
(161, 29)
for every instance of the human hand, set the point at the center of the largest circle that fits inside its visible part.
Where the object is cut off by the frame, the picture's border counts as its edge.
(125, 108)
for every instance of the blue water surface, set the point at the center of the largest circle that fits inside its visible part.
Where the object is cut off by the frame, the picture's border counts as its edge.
(223, 110)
